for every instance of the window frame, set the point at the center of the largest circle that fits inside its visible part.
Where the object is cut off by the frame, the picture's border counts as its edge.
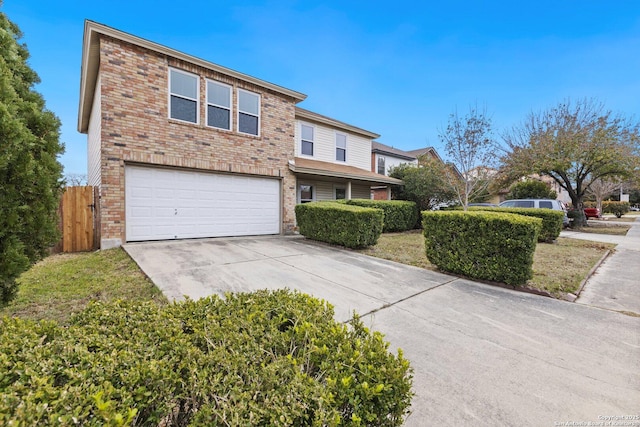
(341, 148)
(384, 167)
(313, 192)
(312, 141)
(230, 108)
(240, 111)
(337, 187)
(171, 94)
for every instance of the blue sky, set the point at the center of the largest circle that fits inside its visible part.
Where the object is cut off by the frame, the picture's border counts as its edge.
(394, 68)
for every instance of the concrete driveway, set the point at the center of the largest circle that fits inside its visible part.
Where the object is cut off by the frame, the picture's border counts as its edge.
(482, 355)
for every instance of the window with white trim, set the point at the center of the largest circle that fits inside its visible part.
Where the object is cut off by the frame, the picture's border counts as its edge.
(183, 96)
(218, 105)
(306, 139)
(339, 192)
(248, 112)
(381, 169)
(341, 147)
(306, 193)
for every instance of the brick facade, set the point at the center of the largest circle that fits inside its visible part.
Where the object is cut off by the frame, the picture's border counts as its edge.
(135, 128)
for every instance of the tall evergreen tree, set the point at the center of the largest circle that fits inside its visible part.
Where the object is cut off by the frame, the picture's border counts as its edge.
(30, 174)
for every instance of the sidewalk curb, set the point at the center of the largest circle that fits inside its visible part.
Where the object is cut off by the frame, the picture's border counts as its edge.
(591, 273)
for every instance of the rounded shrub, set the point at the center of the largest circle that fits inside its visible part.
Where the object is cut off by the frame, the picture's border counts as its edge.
(494, 246)
(340, 223)
(551, 219)
(616, 208)
(269, 358)
(399, 215)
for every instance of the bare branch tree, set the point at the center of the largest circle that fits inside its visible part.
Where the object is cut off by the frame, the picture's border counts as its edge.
(602, 188)
(471, 149)
(75, 179)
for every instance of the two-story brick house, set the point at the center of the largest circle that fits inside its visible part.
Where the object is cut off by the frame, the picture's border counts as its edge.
(181, 147)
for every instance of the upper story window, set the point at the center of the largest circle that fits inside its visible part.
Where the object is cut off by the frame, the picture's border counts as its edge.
(183, 96)
(381, 168)
(218, 105)
(248, 112)
(306, 139)
(341, 147)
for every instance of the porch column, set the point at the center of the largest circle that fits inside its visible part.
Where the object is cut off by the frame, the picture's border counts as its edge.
(388, 192)
(348, 195)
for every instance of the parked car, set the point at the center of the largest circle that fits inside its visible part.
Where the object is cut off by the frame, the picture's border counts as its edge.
(538, 203)
(634, 208)
(592, 213)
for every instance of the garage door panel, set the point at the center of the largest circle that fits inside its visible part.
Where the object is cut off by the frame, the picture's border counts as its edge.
(168, 204)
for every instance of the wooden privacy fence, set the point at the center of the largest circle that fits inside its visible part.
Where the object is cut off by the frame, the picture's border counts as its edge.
(78, 219)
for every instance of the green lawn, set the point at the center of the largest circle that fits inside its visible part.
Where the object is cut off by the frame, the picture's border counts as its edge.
(624, 218)
(558, 268)
(63, 284)
(604, 228)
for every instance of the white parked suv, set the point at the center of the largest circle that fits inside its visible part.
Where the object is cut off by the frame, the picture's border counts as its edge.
(556, 205)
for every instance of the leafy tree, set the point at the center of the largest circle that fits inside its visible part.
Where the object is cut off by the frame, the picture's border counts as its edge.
(30, 174)
(531, 189)
(575, 144)
(470, 146)
(426, 185)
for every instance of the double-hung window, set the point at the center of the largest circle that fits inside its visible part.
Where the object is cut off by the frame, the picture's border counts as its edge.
(341, 147)
(305, 193)
(306, 139)
(248, 112)
(218, 105)
(183, 96)
(381, 168)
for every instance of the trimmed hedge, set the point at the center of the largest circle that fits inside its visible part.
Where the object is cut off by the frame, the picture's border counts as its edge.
(266, 358)
(399, 215)
(340, 223)
(551, 219)
(494, 246)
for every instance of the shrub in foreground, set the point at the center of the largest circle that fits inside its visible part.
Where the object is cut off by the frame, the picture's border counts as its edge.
(551, 220)
(340, 223)
(493, 246)
(399, 215)
(265, 358)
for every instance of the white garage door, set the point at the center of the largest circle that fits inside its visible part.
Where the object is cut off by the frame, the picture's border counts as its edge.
(175, 204)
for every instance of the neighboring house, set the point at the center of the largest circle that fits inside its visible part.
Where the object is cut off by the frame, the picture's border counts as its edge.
(384, 158)
(182, 148)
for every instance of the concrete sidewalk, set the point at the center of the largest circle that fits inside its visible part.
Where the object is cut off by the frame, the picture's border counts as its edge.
(616, 283)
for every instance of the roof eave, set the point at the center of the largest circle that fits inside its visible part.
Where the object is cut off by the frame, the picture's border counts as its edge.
(301, 113)
(354, 177)
(91, 59)
(388, 153)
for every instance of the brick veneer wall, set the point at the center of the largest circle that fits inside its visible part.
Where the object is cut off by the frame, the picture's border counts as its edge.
(136, 128)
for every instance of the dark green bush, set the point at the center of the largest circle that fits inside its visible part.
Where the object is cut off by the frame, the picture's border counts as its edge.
(266, 358)
(551, 220)
(399, 215)
(340, 223)
(531, 189)
(493, 246)
(616, 208)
